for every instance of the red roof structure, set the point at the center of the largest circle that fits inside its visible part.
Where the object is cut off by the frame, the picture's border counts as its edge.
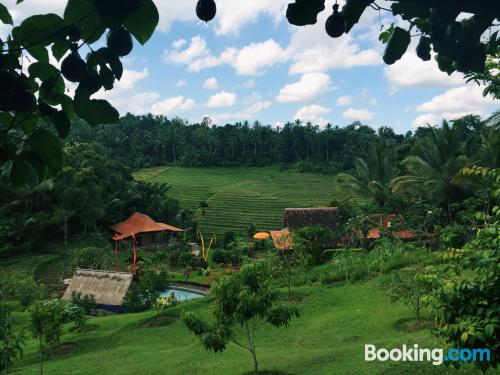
(140, 223)
(375, 233)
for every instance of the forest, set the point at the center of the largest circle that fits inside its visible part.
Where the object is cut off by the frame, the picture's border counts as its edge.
(145, 244)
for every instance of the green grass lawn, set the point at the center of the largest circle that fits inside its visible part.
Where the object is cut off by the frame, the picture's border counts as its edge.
(328, 338)
(238, 197)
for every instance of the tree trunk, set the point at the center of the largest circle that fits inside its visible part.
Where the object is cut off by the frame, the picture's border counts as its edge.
(65, 230)
(255, 363)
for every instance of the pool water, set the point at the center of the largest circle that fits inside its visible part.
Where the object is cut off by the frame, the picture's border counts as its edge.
(181, 295)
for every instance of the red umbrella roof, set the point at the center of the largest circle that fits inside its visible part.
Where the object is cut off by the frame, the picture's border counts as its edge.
(140, 223)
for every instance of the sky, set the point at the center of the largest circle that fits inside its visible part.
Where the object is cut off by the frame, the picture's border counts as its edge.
(250, 64)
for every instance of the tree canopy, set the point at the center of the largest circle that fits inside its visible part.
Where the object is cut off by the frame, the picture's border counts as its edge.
(36, 111)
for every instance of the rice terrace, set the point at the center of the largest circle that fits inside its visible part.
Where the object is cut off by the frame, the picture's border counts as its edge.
(238, 197)
(230, 187)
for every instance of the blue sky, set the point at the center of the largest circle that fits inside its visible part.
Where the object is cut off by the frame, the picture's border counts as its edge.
(250, 64)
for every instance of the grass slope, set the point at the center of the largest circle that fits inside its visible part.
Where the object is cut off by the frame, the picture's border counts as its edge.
(238, 197)
(329, 338)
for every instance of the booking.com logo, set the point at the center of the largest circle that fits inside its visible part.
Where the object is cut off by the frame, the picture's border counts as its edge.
(415, 354)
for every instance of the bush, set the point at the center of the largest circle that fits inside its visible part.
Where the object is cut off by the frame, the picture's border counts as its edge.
(87, 302)
(221, 256)
(93, 258)
(312, 242)
(10, 342)
(26, 291)
(143, 293)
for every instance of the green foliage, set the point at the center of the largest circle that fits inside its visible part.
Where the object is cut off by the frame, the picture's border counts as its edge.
(312, 242)
(86, 302)
(453, 236)
(24, 290)
(25, 116)
(164, 303)
(47, 319)
(412, 286)
(144, 293)
(245, 299)
(11, 342)
(221, 255)
(93, 258)
(467, 299)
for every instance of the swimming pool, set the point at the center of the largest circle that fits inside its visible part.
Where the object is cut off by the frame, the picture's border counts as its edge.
(181, 294)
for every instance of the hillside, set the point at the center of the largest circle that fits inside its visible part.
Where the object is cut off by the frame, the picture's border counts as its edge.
(238, 197)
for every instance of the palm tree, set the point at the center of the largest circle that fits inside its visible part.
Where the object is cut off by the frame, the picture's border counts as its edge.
(437, 160)
(488, 156)
(371, 176)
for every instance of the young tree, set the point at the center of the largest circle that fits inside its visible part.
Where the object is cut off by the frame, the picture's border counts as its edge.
(468, 302)
(412, 286)
(10, 342)
(244, 300)
(47, 319)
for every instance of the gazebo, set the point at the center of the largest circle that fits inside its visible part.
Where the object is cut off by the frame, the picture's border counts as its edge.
(143, 232)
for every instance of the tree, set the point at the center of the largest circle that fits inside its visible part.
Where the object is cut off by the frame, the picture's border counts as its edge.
(246, 300)
(29, 109)
(438, 159)
(412, 286)
(467, 299)
(312, 242)
(47, 319)
(10, 342)
(371, 176)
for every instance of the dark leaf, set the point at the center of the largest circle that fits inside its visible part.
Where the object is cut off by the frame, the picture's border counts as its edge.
(48, 148)
(143, 23)
(84, 12)
(5, 16)
(39, 30)
(96, 112)
(61, 123)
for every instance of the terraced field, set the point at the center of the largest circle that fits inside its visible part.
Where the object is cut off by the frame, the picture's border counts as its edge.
(238, 197)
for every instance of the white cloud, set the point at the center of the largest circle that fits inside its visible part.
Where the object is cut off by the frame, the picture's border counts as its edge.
(312, 50)
(358, 114)
(231, 17)
(251, 60)
(312, 113)
(197, 49)
(124, 97)
(344, 100)
(221, 99)
(310, 87)
(410, 71)
(180, 83)
(130, 78)
(454, 103)
(211, 84)
(172, 105)
(254, 104)
(460, 99)
(176, 44)
(249, 84)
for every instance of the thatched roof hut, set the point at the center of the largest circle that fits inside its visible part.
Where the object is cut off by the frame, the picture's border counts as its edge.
(296, 218)
(108, 288)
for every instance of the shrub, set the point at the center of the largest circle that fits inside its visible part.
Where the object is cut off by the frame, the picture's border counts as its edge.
(312, 242)
(87, 302)
(93, 258)
(10, 342)
(143, 293)
(221, 256)
(26, 290)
